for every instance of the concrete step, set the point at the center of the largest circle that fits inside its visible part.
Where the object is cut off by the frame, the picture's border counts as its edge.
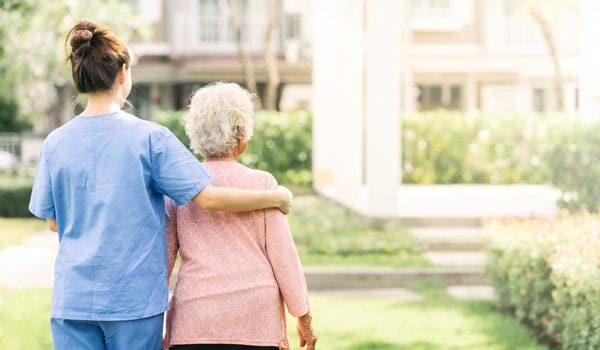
(475, 259)
(450, 238)
(472, 292)
(377, 293)
(359, 278)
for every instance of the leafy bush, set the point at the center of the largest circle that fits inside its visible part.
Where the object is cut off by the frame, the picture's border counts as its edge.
(14, 197)
(548, 274)
(575, 160)
(9, 116)
(450, 148)
(453, 147)
(327, 234)
(281, 144)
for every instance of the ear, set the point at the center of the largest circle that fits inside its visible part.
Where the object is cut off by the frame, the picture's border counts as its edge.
(122, 74)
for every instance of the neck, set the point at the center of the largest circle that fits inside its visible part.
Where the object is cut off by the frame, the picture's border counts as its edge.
(226, 157)
(102, 103)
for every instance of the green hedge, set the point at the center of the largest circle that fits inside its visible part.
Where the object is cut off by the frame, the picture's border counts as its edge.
(548, 274)
(450, 148)
(281, 144)
(14, 197)
(453, 147)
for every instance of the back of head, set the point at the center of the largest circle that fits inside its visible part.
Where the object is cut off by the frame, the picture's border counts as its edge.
(96, 55)
(220, 114)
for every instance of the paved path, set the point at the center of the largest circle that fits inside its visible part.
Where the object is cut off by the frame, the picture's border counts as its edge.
(30, 264)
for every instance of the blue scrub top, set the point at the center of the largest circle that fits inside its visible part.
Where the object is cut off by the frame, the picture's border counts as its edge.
(103, 179)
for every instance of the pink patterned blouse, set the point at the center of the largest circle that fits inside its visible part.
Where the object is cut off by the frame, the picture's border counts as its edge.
(236, 270)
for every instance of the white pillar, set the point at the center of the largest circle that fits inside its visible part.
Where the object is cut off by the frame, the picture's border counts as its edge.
(382, 98)
(589, 47)
(338, 102)
(471, 93)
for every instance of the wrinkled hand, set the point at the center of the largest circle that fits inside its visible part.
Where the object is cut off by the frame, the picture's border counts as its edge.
(286, 199)
(306, 332)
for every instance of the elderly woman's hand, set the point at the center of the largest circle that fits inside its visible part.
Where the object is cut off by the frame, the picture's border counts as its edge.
(306, 332)
(286, 200)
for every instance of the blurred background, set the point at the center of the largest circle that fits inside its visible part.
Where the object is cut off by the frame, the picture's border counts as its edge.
(444, 154)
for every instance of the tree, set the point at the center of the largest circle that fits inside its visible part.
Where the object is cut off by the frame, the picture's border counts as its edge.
(273, 8)
(232, 10)
(545, 13)
(34, 38)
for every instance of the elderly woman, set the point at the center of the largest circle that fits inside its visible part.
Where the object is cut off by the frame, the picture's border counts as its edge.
(237, 269)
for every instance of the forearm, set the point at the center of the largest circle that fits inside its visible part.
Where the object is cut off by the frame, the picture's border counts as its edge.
(237, 200)
(52, 225)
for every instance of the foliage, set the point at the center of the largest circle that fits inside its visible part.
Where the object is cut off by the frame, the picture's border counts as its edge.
(9, 122)
(451, 147)
(281, 144)
(32, 35)
(454, 147)
(14, 197)
(548, 274)
(327, 234)
(575, 160)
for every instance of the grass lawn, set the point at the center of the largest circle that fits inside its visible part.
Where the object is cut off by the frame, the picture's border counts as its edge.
(24, 319)
(438, 322)
(329, 235)
(15, 230)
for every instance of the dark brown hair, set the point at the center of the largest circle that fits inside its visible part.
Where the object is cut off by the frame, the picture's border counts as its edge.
(96, 56)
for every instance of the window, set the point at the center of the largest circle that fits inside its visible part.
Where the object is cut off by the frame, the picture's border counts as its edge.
(455, 97)
(215, 23)
(430, 8)
(539, 100)
(520, 31)
(439, 96)
(292, 26)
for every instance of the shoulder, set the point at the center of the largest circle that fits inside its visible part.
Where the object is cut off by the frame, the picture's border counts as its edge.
(150, 126)
(265, 177)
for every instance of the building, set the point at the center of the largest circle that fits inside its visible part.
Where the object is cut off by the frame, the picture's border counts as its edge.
(458, 54)
(194, 44)
(399, 56)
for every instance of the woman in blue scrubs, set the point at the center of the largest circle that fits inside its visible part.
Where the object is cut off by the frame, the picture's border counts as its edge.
(100, 183)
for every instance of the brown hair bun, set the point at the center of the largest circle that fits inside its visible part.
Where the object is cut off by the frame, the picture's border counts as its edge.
(96, 55)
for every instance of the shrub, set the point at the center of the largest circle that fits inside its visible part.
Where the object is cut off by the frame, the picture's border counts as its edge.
(10, 121)
(548, 274)
(281, 144)
(14, 197)
(450, 148)
(455, 147)
(575, 160)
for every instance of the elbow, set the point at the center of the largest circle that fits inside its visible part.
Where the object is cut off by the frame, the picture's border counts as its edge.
(52, 227)
(207, 202)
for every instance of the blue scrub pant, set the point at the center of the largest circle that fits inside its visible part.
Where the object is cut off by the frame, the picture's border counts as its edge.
(142, 334)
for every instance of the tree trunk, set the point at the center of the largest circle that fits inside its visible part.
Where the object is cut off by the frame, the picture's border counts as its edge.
(232, 11)
(542, 22)
(270, 56)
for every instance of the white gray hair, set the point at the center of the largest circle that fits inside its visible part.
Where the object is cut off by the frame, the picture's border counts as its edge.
(219, 114)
